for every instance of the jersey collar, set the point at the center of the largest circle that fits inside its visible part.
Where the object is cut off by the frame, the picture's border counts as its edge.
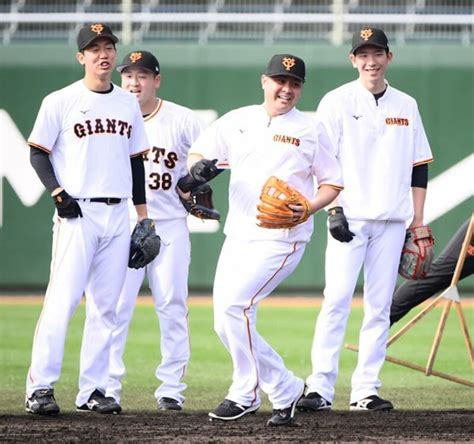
(155, 111)
(367, 94)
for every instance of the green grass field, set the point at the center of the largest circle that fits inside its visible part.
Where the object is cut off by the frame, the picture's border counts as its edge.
(288, 329)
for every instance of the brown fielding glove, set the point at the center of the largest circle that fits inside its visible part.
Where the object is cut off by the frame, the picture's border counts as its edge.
(417, 253)
(273, 210)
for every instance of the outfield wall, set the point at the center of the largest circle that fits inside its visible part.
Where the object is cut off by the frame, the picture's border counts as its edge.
(223, 77)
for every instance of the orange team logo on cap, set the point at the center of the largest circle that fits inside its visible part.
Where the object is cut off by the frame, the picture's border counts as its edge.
(135, 56)
(366, 34)
(97, 28)
(288, 62)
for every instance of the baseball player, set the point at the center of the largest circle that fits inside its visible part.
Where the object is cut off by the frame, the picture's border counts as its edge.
(86, 147)
(171, 129)
(379, 139)
(413, 292)
(259, 141)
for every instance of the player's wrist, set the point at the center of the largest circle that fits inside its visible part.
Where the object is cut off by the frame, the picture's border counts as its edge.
(57, 191)
(417, 221)
(142, 212)
(314, 206)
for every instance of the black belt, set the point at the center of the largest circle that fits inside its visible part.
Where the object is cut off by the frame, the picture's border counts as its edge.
(106, 200)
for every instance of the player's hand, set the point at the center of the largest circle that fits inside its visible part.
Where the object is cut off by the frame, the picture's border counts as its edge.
(67, 207)
(204, 170)
(338, 225)
(299, 211)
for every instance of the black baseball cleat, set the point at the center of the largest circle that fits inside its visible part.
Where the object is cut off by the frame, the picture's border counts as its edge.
(281, 417)
(313, 402)
(169, 404)
(229, 410)
(372, 402)
(42, 402)
(99, 403)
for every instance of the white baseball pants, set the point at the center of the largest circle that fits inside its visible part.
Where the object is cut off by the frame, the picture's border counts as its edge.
(168, 280)
(247, 272)
(377, 245)
(88, 252)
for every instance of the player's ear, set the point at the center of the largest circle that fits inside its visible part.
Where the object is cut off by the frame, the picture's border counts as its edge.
(263, 79)
(157, 81)
(390, 56)
(80, 57)
(352, 58)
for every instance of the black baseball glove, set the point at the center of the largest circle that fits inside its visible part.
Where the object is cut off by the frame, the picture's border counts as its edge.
(200, 203)
(338, 226)
(204, 170)
(201, 172)
(145, 244)
(67, 206)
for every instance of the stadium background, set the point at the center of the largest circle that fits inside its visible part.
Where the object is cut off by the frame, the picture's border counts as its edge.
(213, 67)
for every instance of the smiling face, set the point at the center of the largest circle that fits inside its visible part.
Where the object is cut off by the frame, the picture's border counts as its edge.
(281, 93)
(98, 58)
(143, 83)
(371, 62)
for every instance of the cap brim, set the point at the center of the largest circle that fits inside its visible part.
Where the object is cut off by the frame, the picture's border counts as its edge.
(355, 48)
(112, 38)
(285, 75)
(120, 68)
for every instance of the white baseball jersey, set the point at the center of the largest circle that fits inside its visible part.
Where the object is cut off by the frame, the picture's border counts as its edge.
(256, 147)
(71, 126)
(377, 145)
(166, 161)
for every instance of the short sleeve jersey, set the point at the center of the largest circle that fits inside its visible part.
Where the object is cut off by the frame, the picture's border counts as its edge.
(171, 130)
(90, 138)
(377, 143)
(256, 147)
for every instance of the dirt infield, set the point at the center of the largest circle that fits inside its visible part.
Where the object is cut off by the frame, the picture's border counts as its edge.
(395, 426)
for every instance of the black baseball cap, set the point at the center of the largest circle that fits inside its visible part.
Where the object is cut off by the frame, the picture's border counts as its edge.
(89, 33)
(286, 65)
(369, 36)
(140, 59)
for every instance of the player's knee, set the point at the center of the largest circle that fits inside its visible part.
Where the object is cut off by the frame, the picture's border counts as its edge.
(339, 310)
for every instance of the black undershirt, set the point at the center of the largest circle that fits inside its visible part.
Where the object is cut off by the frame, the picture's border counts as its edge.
(105, 92)
(378, 95)
(138, 178)
(419, 175)
(44, 169)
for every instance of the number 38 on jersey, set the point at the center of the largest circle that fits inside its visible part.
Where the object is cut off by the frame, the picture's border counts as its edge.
(160, 179)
